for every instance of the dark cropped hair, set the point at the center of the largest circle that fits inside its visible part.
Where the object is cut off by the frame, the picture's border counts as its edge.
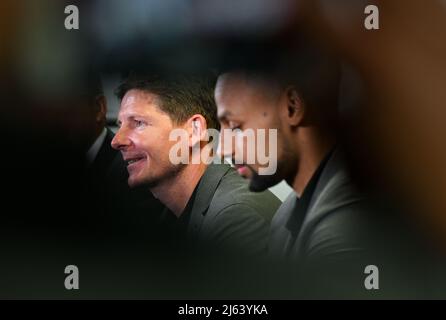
(180, 96)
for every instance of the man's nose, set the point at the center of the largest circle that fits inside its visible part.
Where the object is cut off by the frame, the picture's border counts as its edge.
(120, 140)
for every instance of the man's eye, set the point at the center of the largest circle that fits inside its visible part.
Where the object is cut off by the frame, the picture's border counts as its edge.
(234, 125)
(139, 123)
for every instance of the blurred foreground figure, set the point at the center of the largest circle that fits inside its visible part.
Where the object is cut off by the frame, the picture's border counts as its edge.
(396, 135)
(401, 120)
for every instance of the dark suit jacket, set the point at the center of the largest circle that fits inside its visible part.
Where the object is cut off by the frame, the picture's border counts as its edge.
(334, 226)
(341, 233)
(226, 215)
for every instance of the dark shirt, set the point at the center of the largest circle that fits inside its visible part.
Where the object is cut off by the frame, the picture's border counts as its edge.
(294, 224)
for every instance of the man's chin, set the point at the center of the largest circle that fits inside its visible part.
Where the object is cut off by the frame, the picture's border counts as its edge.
(245, 176)
(134, 182)
(143, 182)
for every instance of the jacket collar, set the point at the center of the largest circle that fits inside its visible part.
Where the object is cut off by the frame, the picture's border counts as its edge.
(207, 186)
(205, 192)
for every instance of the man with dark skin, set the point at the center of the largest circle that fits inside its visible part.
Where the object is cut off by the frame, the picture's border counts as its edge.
(320, 226)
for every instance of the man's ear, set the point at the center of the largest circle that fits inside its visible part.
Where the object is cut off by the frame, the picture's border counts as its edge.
(100, 108)
(196, 126)
(295, 108)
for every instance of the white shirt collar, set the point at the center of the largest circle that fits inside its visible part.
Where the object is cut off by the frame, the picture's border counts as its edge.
(94, 149)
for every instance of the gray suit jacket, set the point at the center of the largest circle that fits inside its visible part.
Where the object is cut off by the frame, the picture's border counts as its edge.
(226, 215)
(333, 226)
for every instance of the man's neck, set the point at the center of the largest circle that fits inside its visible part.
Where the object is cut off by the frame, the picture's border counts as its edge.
(175, 193)
(314, 148)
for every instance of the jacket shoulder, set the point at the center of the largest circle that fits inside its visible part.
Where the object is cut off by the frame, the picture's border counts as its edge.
(233, 191)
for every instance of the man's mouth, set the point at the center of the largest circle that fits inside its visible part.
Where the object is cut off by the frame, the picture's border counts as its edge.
(133, 160)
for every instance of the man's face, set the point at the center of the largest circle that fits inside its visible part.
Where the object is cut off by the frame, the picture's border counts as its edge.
(143, 139)
(244, 105)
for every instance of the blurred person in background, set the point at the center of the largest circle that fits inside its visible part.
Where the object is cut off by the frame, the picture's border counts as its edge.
(109, 206)
(395, 133)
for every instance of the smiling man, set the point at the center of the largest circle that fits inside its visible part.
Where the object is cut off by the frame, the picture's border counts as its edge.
(209, 205)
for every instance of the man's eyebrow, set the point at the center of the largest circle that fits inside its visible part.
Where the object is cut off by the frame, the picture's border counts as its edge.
(132, 116)
(126, 117)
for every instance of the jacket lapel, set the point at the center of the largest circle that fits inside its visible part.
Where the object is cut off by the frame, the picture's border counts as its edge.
(105, 156)
(205, 193)
(330, 176)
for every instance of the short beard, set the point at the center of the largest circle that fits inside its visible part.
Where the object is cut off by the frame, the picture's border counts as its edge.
(285, 169)
(174, 171)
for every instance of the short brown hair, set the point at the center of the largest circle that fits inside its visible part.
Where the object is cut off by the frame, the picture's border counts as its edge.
(181, 96)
